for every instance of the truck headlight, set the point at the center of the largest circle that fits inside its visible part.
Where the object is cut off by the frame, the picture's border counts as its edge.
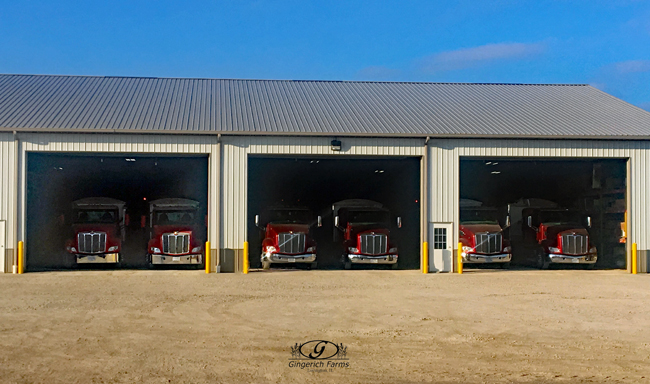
(392, 250)
(311, 249)
(353, 250)
(467, 249)
(554, 250)
(155, 250)
(113, 248)
(271, 249)
(507, 249)
(593, 250)
(196, 249)
(72, 249)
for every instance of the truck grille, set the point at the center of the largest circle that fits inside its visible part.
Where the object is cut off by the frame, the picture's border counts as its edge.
(291, 242)
(374, 244)
(488, 243)
(573, 244)
(176, 244)
(91, 242)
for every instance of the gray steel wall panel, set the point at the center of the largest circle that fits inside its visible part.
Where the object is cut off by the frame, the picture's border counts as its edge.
(7, 198)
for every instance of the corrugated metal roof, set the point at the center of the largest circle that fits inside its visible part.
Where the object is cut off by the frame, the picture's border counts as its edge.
(160, 105)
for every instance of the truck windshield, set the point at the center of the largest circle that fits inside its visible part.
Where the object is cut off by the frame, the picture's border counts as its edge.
(479, 216)
(289, 216)
(560, 217)
(362, 217)
(96, 216)
(174, 217)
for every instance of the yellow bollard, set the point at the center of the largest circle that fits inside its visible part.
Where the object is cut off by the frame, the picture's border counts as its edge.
(460, 258)
(634, 260)
(245, 270)
(425, 257)
(21, 257)
(207, 257)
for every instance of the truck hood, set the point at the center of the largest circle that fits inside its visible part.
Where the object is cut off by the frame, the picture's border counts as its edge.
(158, 230)
(554, 230)
(479, 228)
(110, 229)
(279, 228)
(357, 229)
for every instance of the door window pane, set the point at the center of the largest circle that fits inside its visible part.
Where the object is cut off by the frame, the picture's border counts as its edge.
(439, 238)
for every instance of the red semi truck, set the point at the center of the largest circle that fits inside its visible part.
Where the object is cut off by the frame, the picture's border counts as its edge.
(287, 237)
(175, 232)
(550, 234)
(482, 236)
(99, 230)
(366, 232)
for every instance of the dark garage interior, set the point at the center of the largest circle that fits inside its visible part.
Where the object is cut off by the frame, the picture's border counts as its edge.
(316, 183)
(54, 181)
(595, 187)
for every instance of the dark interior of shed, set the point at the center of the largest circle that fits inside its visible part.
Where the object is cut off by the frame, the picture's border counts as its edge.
(55, 180)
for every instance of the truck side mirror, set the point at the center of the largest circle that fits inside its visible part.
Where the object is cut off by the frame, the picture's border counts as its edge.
(529, 221)
(320, 221)
(399, 222)
(257, 221)
(143, 221)
(507, 221)
(127, 219)
(336, 221)
(589, 221)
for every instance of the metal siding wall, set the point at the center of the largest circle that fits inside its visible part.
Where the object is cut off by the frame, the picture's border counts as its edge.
(7, 199)
(445, 160)
(235, 172)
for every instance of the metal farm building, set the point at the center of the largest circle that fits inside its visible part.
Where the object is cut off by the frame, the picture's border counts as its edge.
(237, 146)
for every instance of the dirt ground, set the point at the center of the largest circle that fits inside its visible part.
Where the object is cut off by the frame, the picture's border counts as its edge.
(398, 326)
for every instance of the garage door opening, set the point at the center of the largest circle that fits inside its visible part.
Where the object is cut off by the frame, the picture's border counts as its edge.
(590, 193)
(54, 181)
(317, 183)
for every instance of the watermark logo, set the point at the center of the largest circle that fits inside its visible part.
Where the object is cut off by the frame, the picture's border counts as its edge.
(319, 356)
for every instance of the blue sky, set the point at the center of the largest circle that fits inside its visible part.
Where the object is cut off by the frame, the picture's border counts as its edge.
(603, 43)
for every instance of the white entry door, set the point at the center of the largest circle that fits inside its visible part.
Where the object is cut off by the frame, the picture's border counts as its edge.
(440, 247)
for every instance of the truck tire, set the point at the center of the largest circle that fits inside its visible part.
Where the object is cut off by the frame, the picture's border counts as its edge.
(542, 260)
(348, 265)
(266, 265)
(313, 265)
(590, 266)
(505, 265)
(393, 266)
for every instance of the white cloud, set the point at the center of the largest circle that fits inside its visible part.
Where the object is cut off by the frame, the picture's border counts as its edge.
(481, 55)
(632, 66)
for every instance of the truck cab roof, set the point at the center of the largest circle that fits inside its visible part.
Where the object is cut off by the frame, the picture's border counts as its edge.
(173, 203)
(98, 202)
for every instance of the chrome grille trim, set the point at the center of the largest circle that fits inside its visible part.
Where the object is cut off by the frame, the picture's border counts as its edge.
(574, 244)
(291, 243)
(176, 244)
(374, 244)
(91, 242)
(489, 243)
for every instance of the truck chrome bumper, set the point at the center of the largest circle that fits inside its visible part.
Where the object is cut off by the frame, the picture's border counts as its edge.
(473, 258)
(181, 259)
(98, 259)
(570, 259)
(280, 258)
(363, 259)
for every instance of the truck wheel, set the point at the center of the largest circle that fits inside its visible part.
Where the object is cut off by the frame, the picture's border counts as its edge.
(313, 265)
(393, 266)
(348, 265)
(505, 265)
(266, 265)
(590, 266)
(542, 260)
